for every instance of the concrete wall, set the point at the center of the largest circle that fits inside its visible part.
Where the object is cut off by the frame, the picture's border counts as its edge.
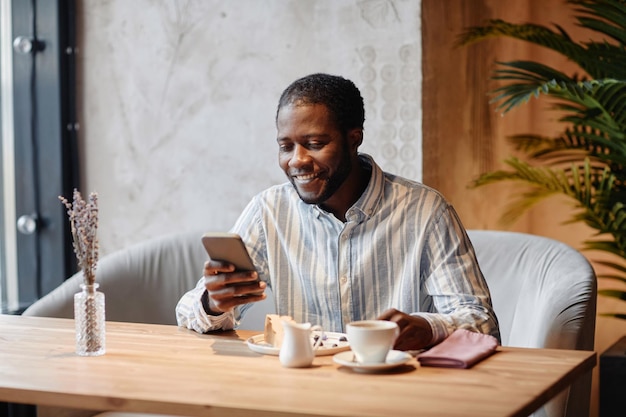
(177, 99)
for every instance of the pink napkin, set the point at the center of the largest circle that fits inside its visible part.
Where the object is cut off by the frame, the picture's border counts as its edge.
(462, 349)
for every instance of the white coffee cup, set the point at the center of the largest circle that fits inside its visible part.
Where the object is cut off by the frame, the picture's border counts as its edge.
(371, 340)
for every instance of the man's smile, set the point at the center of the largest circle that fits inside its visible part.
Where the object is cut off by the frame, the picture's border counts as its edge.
(305, 178)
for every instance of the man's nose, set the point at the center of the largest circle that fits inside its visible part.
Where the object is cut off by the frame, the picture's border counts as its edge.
(299, 157)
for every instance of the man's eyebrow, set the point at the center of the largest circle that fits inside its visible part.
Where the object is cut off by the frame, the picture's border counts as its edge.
(317, 135)
(306, 137)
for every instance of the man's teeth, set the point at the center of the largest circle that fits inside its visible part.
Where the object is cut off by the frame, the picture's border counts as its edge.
(305, 177)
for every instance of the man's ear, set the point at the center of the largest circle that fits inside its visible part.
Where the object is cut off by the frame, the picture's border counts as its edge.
(355, 139)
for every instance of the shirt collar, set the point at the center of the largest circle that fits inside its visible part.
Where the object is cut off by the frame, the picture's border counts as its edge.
(373, 194)
(366, 205)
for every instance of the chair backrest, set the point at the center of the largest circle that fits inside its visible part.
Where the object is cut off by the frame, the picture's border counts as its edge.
(141, 283)
(544, 294)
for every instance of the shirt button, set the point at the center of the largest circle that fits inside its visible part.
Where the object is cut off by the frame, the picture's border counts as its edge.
(344, 280)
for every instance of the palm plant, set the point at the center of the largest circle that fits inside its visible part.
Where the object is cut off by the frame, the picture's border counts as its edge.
(587, 161)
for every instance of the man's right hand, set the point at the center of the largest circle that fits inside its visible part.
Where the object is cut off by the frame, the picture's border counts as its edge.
(415, 332)
(227, 289)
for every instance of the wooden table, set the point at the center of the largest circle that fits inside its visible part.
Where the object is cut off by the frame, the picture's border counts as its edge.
(167, 369)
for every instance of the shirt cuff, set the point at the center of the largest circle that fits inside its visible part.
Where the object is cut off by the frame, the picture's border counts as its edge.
(205, 322)
(440, 327)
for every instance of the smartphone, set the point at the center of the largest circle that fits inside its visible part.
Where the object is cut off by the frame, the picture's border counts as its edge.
(228, 247)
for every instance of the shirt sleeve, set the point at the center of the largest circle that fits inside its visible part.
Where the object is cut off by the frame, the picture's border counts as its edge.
(453, 280)
(190, 313)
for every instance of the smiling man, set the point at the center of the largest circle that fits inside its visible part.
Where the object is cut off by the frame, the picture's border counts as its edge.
(343, 240)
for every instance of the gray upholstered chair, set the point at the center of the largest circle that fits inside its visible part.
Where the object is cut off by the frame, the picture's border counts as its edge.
(141, 283)
(544, 294)
(543, 291)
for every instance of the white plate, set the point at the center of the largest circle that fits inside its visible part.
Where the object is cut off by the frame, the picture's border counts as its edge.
(394, 358)
(331, 345)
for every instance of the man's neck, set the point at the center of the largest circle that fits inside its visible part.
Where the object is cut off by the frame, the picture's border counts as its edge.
(357, 182)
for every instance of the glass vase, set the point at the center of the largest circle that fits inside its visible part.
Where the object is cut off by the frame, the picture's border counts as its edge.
(89, 319)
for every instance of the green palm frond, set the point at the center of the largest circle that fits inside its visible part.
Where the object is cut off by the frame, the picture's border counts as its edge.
(616, 267)
(606, 17)
(542, 182)
(621, 295)
(619, 278)
(586, 162)
(581, 183)
(525, 80)
(615, 315)
(537, 145)
(598, 59)
(605, 246)
(586, 186)
(574, 144)
(598, 104)
(537, 34)
(607, 221)
(604, 60)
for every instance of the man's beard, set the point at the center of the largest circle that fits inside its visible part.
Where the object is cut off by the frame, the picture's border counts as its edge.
(334, 182)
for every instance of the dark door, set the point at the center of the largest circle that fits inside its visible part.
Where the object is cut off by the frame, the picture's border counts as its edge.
(37, 249)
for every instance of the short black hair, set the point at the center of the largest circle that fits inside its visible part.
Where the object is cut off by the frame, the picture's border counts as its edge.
(341, 97)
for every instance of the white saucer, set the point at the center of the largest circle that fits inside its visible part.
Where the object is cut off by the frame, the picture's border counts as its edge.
(333, 343)
(394, 358)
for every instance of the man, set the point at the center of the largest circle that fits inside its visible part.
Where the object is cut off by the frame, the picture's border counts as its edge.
(344, 241)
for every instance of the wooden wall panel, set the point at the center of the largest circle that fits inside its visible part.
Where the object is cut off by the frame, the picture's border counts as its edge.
(462, 132)
(463, 136)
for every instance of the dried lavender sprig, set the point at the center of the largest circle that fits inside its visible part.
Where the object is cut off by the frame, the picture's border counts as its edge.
(83, 216)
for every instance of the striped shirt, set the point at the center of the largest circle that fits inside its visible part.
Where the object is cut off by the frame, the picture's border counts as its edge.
(402, 246)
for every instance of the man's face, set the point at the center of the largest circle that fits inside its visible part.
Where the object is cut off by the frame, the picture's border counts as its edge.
(312, 151)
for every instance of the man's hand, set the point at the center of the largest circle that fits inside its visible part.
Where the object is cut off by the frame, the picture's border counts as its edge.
(227, 288)
(415, 332)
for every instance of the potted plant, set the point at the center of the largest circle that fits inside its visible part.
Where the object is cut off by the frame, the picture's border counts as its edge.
(586, 162)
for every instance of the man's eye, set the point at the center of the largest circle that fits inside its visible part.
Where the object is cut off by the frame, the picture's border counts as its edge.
(315, 145)
(285, 148)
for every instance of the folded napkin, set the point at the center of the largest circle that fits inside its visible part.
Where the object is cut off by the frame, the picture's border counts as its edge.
(462, 349)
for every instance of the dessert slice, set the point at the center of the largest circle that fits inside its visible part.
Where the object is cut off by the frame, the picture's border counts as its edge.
(273, 333)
